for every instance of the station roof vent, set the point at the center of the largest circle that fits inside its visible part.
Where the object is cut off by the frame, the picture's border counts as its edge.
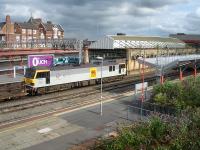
(121, 33)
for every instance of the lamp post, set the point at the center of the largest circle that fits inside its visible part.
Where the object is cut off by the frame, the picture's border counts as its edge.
(101, 110)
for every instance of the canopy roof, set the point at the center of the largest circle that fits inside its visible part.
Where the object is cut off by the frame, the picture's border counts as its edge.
(127, 41)
(169, 62)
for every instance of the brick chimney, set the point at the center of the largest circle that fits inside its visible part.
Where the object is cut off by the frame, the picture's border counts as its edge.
(8, 20)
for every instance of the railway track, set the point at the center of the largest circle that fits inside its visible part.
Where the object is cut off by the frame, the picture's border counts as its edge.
(38, 102)
(70, 100)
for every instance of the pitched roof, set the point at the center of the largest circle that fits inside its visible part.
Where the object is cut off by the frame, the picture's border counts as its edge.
(27, 25)
(35, 21)
(60, 27)
(128, 41)
(48, 26)
(145, 38)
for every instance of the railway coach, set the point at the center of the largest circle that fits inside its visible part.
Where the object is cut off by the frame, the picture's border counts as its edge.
(41, 80)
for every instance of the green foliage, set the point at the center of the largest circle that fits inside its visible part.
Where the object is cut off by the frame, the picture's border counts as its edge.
(160, 98)
(179, 133)
(158, 134)
(178, 94)
(157, 128)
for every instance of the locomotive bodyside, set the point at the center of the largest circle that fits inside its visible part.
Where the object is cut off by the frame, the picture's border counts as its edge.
(44, 79)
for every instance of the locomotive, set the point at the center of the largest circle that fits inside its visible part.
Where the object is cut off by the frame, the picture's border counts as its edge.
(41, 80)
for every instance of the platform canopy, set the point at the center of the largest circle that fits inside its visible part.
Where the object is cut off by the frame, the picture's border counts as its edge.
(169, 61)
(127, 41)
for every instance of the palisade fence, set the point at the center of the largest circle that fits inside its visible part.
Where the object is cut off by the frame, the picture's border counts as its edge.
(135, 111)
(54, 44)
(142, 111)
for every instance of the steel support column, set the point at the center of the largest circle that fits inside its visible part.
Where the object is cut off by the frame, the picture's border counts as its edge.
(181, 74)
(195, 71)
(161, 79)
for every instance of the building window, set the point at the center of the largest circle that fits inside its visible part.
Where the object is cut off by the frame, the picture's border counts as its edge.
(29, 31)
(29, 38)
(34, 31)
(42, 36)
(23, 38)
(17, 38)
(59, 33)
(2, 38)
(23, 31)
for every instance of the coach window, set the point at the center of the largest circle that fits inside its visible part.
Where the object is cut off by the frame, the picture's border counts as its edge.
(113, 68)
(110, 68)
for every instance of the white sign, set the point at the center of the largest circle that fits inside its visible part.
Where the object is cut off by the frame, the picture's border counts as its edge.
(138, 86)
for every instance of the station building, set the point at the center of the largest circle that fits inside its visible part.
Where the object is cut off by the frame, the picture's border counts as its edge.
(129, 47)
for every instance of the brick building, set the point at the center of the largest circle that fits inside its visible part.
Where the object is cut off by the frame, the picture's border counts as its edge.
(7, 30)
(32, 32)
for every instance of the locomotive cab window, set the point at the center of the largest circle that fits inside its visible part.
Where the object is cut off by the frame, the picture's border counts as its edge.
(30, 73)
(41, 75)
(44, 75)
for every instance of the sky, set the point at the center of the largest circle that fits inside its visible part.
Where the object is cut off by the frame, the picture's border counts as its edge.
(93, 19)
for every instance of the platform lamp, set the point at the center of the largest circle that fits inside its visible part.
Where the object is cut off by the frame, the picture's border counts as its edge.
(101, 110)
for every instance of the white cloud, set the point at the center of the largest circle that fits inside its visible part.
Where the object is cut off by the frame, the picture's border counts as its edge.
(92, 18)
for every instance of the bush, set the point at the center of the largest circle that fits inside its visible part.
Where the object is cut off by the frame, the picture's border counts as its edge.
(178, 94)
(160, 134)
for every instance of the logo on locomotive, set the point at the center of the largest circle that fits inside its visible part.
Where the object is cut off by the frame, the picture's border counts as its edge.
(93, 72)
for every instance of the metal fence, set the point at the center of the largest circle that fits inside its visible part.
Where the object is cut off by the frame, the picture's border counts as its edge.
(55, 44)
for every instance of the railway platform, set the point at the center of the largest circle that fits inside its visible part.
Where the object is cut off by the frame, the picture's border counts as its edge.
(11, 87)
(64, 130)
(8, 78)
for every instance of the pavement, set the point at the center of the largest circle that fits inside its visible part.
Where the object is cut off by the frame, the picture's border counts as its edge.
(64, 130)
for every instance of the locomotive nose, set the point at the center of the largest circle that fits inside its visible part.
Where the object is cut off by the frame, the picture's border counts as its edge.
(29, 81)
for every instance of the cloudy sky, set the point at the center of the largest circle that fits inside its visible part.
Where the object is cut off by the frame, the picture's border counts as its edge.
(95, 18)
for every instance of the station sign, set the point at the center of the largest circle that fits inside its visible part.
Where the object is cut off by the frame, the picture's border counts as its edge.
(93, 73)
(139, 86)
(40, 60)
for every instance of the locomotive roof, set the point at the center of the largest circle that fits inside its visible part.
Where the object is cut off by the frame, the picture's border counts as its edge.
(64, 67)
